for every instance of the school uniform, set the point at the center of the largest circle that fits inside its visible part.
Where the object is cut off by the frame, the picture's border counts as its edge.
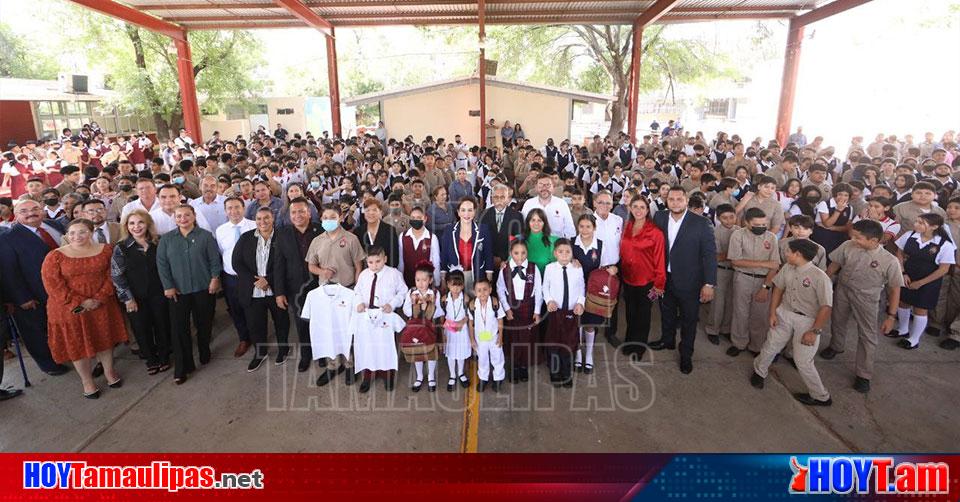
(806, 289)
(414, 250)
(485, 317)
(820, 261)
(564, 285)
(948, 305)
(864, 276)
(377, 289)
(831, 239)
(922, 259)
(771, 208)
(374, 347)
(519, 288)
(434, 312)
(329, 310)
(721, 313)
(748, 327)
(457, 348)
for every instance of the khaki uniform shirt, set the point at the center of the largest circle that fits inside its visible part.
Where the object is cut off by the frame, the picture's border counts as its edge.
(866, 271)
(721, 236)
(820, 261)
(339, 253)
(906, 214)
(730, 166)
(770, 207)
(805, 289)
(746, 246)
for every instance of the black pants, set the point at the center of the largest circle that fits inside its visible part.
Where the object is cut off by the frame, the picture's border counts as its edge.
(256, 314)
(151, 328)
(679, 308)
(32, 326)
(637, 305)
(200, 306)
(230, 286)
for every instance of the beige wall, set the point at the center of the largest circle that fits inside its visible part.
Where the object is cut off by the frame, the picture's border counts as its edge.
(229, 129)
(445, 113)
(295, 123)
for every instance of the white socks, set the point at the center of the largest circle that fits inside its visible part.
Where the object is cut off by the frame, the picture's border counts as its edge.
(451, 365)
(419, 366)
(432, 370)
(916, 329)
(588, 337)
(903, 319)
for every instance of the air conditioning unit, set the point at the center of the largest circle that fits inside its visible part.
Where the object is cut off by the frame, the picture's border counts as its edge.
(72, 83)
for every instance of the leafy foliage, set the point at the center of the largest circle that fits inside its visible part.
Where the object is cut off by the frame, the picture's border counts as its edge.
(18, 61)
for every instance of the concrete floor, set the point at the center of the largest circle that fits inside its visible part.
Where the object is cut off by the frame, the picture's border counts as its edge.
(622, 407)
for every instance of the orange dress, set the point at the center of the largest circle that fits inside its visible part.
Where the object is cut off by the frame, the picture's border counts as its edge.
(69, 281)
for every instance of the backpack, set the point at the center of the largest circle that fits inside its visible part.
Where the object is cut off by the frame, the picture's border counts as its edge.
(602, 292)
(418, 340)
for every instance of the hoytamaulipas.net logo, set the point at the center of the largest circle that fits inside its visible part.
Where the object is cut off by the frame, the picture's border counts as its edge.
(159, 475)
(877, 475)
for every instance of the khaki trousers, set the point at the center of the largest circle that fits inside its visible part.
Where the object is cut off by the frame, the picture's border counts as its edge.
(790, 329)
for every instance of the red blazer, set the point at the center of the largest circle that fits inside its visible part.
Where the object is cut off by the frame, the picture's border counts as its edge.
(642, 256)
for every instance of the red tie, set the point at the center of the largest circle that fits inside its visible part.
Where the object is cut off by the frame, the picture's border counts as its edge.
(373, 292)
(47, 239)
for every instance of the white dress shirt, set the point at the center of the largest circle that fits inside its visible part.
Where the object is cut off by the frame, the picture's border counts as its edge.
(214, 212)
(390, 288)
(165, 223)
(558, 215)
(137, 204)
(673, 226)
(553, 285)
(106, 233)
(519, 286)
(606, 258)
(610, 231)
(226, 235)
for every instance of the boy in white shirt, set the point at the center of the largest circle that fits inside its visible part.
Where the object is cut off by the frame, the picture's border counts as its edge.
(379, 287)
(486, 334)
(565, 293)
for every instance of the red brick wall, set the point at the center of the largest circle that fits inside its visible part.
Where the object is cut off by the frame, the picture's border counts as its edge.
(16, 123)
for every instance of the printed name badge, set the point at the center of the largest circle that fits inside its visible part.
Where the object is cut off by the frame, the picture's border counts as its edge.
(485, 336)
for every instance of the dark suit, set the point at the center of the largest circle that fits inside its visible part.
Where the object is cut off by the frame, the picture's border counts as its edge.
(386, 237)
(692, 262)
(255, 309)
(293, 278)
(21, 256)
(511, 227)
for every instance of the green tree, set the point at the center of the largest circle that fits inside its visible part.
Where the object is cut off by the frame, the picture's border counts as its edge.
(17, 61)
(598, 58)
(142, 67)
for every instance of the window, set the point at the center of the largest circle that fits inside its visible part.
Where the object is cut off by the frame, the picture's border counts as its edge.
(718, 107)
(284, 111)
(54, 116)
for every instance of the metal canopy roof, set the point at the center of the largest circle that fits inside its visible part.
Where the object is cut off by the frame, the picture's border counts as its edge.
(250, 14)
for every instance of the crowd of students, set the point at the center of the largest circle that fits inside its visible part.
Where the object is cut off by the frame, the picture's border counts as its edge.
(374, 249)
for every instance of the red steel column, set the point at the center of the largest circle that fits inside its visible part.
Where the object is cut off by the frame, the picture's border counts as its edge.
(334, 80)
(188, 90)
(788, 88)
(482, 70)
(634, 93)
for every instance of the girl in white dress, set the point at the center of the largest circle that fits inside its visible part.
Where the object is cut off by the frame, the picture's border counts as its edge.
(456, 335)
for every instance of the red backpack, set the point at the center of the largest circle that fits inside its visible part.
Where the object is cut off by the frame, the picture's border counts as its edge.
(602, 292)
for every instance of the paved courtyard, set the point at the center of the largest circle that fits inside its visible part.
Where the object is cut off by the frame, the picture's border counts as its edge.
(622, 407)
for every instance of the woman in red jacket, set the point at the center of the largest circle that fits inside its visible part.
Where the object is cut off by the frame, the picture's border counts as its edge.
(644, 273)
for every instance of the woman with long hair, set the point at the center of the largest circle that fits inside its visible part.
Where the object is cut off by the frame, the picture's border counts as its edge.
(467, 245)
(644, 273)
(540, 242)
(133, 268)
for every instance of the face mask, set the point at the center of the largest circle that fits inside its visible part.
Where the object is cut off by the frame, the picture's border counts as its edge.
(329, 225)
(51, 202)
(416, 224)
(813, 199)
(179, 180)
(736, 193)
(568, 200)
(314, 185)
(126, 188)
(758, 230)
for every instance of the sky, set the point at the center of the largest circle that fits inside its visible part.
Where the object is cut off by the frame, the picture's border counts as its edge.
(887, 66)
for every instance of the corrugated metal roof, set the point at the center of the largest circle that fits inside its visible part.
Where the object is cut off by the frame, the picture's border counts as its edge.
(214, 14)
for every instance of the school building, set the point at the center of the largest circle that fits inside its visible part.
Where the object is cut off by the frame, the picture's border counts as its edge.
(449, 107)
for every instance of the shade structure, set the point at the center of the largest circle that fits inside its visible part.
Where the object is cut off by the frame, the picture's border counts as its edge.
(175, 18)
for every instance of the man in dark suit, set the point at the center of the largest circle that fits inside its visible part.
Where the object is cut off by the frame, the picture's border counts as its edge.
(22, 251)
(253, 260)
(504, 222)
(691, 274)
(293, 279)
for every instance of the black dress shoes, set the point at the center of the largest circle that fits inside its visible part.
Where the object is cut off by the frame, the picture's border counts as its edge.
(810, 401)
(303, 365)
(828, 353)
(686, 365)
(98, 370)
(714, 339)
(659, 345)
(364, 385)
(325, 378)
(756, 380)
(733, 351)
(10, 394)
(861, 385)
(62, 370)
